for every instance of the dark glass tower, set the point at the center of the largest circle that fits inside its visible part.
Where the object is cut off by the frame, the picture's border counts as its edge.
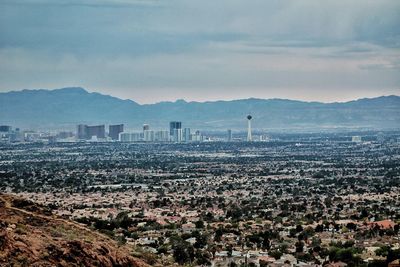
(115, 130)
(174, 125)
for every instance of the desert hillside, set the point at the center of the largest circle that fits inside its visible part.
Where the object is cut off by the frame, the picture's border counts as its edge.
(31, 236)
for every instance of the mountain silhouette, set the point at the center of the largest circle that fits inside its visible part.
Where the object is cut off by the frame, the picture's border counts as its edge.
(67, 107)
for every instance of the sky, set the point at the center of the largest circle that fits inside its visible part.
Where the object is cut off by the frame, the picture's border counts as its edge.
(164, 50)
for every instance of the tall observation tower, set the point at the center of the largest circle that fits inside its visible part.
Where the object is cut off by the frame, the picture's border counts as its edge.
(249, 117)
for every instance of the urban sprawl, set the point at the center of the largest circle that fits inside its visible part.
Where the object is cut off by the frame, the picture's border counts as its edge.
(183, 198)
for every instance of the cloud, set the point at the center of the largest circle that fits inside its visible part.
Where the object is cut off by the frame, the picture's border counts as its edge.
(186, 49)
(86, 3)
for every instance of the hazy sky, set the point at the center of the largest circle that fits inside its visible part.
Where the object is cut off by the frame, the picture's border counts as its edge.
(150, 51)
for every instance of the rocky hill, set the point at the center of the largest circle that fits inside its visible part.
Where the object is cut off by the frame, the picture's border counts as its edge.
(31, 236)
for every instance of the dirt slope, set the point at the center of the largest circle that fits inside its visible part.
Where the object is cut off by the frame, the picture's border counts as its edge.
(31, 236)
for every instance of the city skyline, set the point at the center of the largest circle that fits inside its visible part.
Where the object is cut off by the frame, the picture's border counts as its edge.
(163, 51)
(200, 133)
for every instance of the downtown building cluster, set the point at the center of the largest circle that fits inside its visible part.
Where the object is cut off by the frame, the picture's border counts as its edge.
(117, 133)
(8, 134)
(175, 134)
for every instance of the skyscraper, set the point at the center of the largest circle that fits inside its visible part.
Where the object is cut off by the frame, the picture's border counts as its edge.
(174, 125)
(81, 131)
(85, 132)
(186, 135)
(5, 128)
(99, 131)
(146, 127)
(148, 136)
(229, 137)
(129, 137)
(175, 131)
(161, 136)
(5, 133)
(197, 137)
(249, 117)
(115, 130)
(177, 136)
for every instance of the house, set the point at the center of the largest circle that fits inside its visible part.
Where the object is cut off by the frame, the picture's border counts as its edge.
(385, 224)
(336, 264)
(395, 263)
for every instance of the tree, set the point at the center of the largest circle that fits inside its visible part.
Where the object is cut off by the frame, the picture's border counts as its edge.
(180, 253)
(276, 254)
(201, 240)
(199, 224)
(218, 235)
(229, 250)
(202, 258)
(299, 246)
(396, 228)
(351, 226)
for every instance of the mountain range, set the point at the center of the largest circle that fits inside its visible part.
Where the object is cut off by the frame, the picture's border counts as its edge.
(67, 107)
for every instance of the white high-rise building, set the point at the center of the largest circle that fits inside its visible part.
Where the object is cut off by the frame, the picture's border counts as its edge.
(229, 137)
(177, 136)
(161, 136)
(148, 135)
(129, 137)
(196, 137)
(249, 138)
(186, 135)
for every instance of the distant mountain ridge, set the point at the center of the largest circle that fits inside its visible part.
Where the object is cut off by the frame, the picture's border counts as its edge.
(69, 106)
